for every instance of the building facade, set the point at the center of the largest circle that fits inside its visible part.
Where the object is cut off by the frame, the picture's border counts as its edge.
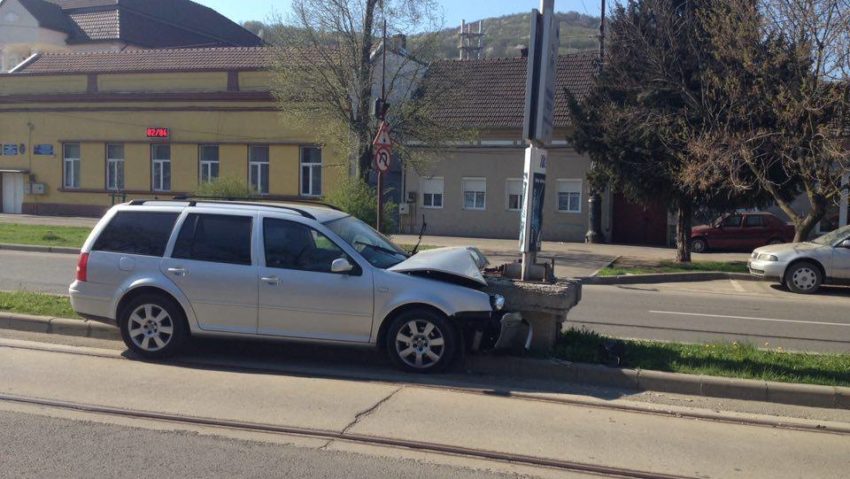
(82, 131)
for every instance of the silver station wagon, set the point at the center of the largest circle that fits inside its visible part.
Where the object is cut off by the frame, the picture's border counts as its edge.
(167, 270)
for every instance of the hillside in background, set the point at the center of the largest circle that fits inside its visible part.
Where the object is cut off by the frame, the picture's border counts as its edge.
(503, 36)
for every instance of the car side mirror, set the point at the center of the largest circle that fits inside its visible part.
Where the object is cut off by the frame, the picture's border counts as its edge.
(341, 265)
(844, 244)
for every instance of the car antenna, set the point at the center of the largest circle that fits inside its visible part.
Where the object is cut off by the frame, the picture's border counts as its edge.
(421, 233)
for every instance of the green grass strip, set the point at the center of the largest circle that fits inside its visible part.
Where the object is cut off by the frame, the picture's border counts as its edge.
(41, 235)
(37, 303)
(673, 267)
(737, 360)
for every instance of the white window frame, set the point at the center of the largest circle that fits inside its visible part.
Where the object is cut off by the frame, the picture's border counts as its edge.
(442, 192)
(255, 166)
(69, 173)
(112, 176)
(475, 206)
(311, 170)
(558, 194)
(160, 184)
(205, 171)
(508, 194)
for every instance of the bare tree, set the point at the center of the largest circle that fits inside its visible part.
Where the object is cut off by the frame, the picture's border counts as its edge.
(328, 73)
(778, 89)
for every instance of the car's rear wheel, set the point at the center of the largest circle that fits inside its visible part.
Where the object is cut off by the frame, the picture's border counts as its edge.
(803, 277)
(699, 245)
(421, 341)
(153, 326)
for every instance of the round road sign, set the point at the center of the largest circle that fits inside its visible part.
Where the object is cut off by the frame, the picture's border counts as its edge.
(383, 159)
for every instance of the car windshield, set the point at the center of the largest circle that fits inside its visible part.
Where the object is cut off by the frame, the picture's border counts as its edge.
(375, 248)
(833, 237)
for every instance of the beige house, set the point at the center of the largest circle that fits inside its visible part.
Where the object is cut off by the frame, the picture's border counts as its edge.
(475, 189)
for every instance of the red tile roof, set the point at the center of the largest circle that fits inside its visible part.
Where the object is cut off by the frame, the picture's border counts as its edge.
(176, 59)
(490, 93)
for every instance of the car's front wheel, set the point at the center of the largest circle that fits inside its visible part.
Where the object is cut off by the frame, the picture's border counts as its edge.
(803, 277)
(421, 341)
(153, 326)
(699, 245)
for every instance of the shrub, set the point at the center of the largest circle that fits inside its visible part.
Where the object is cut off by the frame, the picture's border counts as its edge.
(225, 188)
(358, 199)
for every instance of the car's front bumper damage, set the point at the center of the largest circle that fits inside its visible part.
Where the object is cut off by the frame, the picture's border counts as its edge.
(497, 331)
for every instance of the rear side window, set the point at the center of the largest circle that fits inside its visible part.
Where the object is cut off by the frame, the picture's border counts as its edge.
(136, 232)
(215, 238)
(754, 220)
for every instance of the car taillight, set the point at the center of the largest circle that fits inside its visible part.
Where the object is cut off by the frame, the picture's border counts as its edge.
(83, 267)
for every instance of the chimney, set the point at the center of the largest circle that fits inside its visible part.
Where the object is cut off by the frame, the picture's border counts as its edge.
(398, 42)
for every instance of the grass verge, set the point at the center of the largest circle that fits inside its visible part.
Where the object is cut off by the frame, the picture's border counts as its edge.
(623, 267)
(735, 360)
(37, 303)
(422, 247)
(67, 236)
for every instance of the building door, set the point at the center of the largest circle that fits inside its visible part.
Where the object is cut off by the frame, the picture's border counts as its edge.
(635, 223)
(13, 193)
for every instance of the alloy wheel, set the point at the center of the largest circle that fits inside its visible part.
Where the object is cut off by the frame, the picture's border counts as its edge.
(150, 327)
(420, 344)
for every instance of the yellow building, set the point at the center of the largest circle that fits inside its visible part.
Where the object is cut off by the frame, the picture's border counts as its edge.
(81, 131)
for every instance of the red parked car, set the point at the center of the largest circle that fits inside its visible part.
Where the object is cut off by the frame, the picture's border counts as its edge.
(741, 231)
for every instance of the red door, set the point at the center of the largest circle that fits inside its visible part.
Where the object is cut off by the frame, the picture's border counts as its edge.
(635, 223)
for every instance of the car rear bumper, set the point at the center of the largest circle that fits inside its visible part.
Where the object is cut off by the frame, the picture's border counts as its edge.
(91, 299)
(767, 270)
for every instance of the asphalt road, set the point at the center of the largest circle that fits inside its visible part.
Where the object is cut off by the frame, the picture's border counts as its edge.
(756, 312)
(48, 441)
(37, 446)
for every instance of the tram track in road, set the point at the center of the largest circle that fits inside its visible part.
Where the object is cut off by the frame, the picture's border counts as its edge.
(480, 390)
(363, 439)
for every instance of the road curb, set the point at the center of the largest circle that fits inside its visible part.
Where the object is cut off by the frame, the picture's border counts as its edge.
(542, 369)
(66, 327)
(666, 278)
(658, 381)
(38, 248)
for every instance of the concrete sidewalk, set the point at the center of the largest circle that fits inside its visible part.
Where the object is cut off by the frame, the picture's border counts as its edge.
(48, 220)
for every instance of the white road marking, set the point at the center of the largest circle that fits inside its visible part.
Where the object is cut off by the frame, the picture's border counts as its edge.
(748, 318)
(737, 286)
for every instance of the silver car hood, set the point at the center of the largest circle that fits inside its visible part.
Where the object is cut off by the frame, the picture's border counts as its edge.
(789, 248)
(463, 262)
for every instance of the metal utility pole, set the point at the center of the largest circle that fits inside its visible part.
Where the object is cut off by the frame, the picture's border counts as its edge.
(538, 130)
(594, 231)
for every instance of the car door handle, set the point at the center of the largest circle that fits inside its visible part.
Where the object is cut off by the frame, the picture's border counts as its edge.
(178, 271)
(270, 280)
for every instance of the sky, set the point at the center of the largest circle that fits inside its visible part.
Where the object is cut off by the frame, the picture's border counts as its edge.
(453, 10)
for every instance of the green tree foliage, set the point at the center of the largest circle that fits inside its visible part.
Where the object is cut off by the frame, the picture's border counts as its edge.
(225, 188)
(360, 200)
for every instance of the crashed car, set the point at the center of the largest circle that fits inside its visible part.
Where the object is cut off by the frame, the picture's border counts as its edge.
(164, 271)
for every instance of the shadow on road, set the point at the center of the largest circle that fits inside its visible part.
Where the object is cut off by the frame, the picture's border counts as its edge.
(358, 364)
(831, 291)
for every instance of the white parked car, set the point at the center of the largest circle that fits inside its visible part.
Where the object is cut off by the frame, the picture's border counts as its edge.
(804, 267)
(167, 270)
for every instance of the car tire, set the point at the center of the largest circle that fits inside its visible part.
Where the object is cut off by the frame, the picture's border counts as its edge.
(803, 277)
(153, 326)
(699, 245)
(421, 341)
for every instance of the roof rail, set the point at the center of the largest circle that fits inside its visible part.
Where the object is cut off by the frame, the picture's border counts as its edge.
(193, 203)
(254, 199)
